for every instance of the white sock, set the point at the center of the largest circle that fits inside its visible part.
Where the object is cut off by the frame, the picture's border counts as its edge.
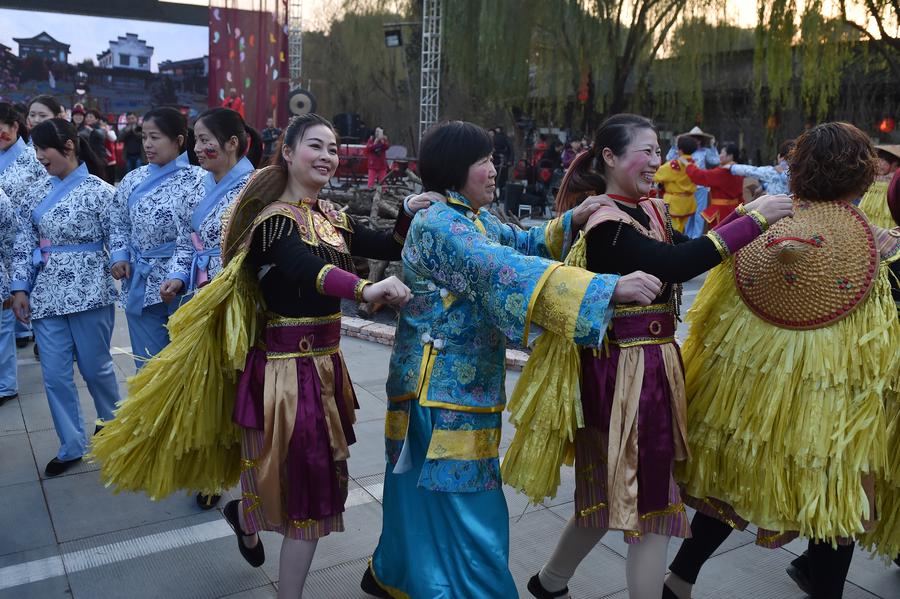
(296, 558)
(645, 567)
(574, 544)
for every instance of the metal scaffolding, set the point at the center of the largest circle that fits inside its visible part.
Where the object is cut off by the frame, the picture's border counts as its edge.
(295, 42)
(430, 87)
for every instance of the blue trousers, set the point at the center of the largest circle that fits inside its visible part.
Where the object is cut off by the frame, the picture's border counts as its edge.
(87, 336)
(148, 331)
(23, 330)
(8, 382)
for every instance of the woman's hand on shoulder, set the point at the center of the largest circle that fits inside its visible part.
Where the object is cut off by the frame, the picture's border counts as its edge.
(583, 211)
(773, 207)
(422, 201)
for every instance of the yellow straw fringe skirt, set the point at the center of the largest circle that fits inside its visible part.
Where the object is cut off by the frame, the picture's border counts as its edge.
(788, 429)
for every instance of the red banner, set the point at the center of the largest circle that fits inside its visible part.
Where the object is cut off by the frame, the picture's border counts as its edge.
(248, 62)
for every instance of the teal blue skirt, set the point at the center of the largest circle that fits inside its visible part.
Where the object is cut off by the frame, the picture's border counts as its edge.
(440, 545)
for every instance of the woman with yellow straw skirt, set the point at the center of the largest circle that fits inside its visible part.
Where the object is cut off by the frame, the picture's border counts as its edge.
(286, 424)
(874, 201)
(632, 388)
(792, 364)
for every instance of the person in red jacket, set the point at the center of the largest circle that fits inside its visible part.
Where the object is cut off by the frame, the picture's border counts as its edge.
(376, 148)
(234, 102)
(726, 191)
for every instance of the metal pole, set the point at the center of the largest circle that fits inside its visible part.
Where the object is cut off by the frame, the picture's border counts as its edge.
(430, 83)
(295, 42)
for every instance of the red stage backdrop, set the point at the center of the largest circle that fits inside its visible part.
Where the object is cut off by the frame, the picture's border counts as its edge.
(248, 48)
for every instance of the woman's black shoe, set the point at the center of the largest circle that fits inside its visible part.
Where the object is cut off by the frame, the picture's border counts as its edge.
(798, 570)
(537, 589)
(255, 555)
(57, 466)
(37, 352)
(6, 398)
(207, 502)
(22, 341)
(371, 587)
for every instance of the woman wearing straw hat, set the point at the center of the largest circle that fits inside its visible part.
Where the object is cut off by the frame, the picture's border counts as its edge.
(792, 346)
(632, 389)
(874, 202)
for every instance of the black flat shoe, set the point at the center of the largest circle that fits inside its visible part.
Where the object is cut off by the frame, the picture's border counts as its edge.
(57, 466)
(897, 561)
(37, 352)
(371, 587)
(207, 502)
(668, 594)
(255, 555)
(22, 342)
(6, 398)
(800, 578)
(537, 589)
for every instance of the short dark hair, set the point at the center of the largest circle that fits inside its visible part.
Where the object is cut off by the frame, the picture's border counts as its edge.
(294, 133)
(731, 149)
(129, 113)
(96, 113)
(447, 151)
(170, 122)
(831, 161)
(587, 172)
(9, 115)
(687, 144)
(785, 147)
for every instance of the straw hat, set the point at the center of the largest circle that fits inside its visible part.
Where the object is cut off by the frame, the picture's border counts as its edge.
(264, 187)
(892, 149)
(811, 270)
(697, 132)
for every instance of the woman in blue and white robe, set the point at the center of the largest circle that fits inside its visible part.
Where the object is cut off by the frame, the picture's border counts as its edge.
(147, 216)
(62, 283)
(222, 142)
(21, 176)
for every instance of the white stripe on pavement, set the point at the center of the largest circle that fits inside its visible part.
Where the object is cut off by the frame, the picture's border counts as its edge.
(113, 350)
(95, 557)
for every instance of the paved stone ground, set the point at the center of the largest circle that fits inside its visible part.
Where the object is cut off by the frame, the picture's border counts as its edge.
(71, 537)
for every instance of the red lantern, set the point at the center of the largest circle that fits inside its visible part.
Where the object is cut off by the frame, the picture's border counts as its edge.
(886, 125)
(583, 96)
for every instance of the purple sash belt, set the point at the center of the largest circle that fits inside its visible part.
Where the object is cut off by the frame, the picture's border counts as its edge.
(646, 325)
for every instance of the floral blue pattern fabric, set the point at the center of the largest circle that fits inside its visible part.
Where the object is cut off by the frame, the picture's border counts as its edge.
(158, 217)
(8, 223)
(472, 287)
(210, 230)
(25, 179)
(70, 281)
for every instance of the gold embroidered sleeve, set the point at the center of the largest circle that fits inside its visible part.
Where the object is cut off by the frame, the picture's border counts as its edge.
(558, 304)
(759, 218)
(720, 244)
(360, 286)
(320, 278)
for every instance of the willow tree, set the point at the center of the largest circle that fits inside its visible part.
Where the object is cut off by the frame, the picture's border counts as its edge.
(556, 50)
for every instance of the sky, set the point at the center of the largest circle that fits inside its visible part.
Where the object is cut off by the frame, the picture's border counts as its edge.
(89, 36)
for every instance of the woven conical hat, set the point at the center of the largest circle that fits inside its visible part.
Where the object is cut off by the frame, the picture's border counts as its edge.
(264, 187)
(892, 149)
(697, 132)
(811, 270)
